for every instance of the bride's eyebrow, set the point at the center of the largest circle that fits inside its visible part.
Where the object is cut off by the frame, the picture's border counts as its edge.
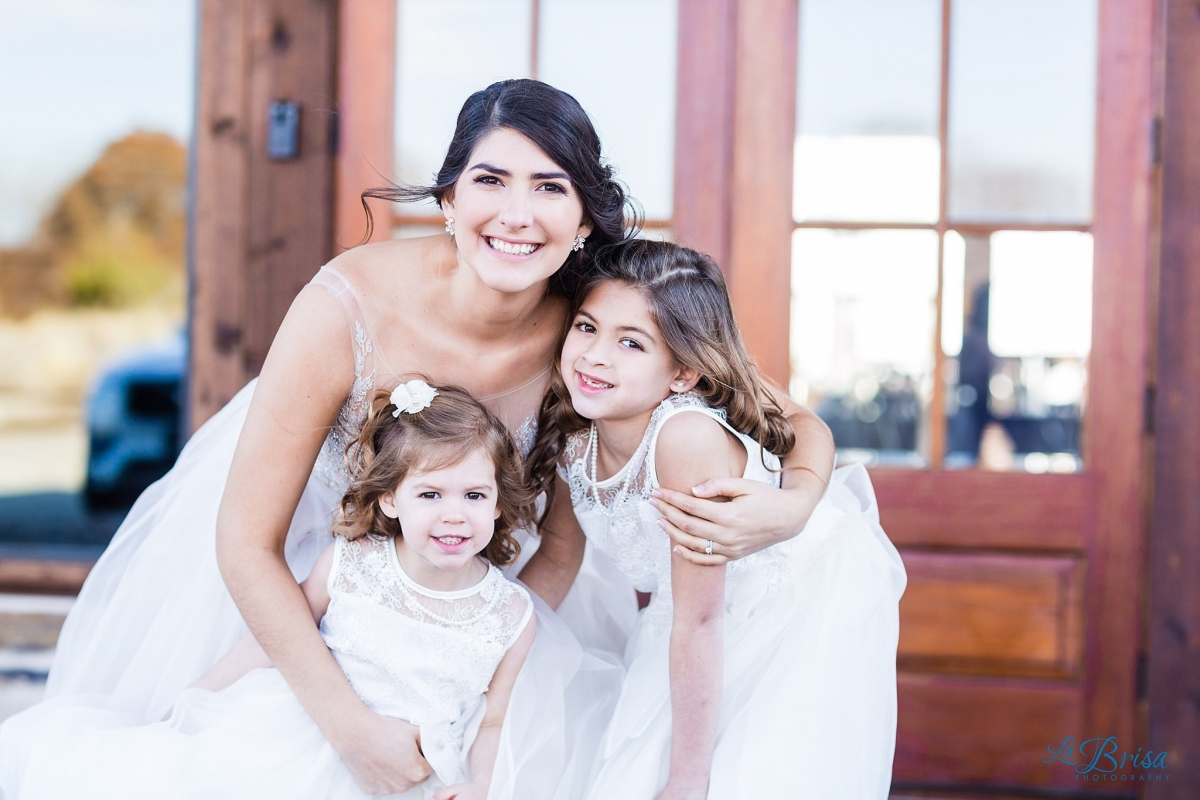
(537, 176)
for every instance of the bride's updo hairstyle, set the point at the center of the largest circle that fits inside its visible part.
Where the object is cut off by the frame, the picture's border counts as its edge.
(558, 125)
(687, 298)
(391, 446)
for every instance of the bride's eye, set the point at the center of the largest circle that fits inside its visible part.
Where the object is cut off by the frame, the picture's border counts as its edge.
(488, 180)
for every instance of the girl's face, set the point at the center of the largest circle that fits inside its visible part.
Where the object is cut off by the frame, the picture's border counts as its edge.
(516, 213)
(447, 517)
(614, 361)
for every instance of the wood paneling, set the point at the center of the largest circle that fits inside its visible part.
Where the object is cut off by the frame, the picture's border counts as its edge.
(984, 509)
(760, 260)
(260, 228)
(1174, 630)
(975, 731)
(366, 122)
(980, 614)
(1113, 437)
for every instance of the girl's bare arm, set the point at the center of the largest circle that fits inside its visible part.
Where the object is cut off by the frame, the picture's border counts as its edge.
(552, 569)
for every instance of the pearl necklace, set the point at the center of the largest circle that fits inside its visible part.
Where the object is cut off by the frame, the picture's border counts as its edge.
(594, 479)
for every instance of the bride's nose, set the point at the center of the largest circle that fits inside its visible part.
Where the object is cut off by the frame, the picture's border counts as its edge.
(517, 212)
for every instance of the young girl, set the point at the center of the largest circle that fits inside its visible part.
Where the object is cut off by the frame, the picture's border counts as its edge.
(409, 599)
(773, 676)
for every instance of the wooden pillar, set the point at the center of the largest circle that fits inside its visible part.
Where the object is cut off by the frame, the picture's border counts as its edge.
(1174, 663)
(704, 126)
(260, 227)
(366, 110)
(760, 261)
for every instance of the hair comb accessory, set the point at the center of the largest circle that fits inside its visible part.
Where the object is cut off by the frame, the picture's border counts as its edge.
(412, 397)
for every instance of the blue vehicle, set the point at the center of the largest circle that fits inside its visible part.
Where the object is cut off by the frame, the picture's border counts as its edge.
(134, 419)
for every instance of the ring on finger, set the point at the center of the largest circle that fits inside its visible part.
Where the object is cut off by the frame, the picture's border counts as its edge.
(708, 548)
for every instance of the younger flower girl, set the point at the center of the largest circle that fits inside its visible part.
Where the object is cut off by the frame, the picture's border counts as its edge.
(410, 600)
(773, 675)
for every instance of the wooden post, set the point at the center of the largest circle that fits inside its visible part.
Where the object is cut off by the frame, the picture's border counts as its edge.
(366, 113)
(1174, 635)
(704, 126)
(764, 130)
(260, 227)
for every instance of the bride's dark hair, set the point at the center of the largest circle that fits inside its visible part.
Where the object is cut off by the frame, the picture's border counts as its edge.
(558, 125)
(687, 298)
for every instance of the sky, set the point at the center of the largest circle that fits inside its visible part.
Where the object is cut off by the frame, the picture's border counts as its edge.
(76, 75)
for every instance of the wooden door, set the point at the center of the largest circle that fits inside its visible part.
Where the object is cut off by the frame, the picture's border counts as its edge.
(1021, 623)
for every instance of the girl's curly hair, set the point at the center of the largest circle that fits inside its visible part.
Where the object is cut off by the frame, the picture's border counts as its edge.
(455, 425)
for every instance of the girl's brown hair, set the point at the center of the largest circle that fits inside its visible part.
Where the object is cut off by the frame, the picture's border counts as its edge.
(686, 295)
(455, 425)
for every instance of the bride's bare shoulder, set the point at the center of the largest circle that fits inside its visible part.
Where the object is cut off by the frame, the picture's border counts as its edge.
(369, 265)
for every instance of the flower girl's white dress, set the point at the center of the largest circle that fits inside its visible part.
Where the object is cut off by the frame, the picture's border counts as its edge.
(154, 613)
(809, 701)
(410, 652)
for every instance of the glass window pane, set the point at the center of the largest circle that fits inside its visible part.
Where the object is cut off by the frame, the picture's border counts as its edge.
(862, 337)
(632, 99)
(445, 50)
(1022, 110)
(1016, 380)
(867, 110)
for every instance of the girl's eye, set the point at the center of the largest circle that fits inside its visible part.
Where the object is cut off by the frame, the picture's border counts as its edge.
(476, 496)
(429, 495)
(585, 327)
(632, 344)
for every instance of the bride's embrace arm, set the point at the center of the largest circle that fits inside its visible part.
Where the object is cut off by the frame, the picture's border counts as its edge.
(305, 379)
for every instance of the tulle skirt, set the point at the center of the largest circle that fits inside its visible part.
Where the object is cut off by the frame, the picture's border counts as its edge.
(808, 708)
(154, 615)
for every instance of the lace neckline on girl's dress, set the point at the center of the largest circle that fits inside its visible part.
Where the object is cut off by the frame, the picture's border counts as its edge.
(436, 594)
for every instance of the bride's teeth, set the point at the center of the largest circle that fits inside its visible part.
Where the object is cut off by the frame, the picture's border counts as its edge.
(512, 249)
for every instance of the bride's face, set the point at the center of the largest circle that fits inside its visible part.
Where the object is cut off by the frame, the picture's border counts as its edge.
(516, 213)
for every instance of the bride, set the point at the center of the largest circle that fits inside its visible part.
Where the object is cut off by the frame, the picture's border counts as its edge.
(220, 543)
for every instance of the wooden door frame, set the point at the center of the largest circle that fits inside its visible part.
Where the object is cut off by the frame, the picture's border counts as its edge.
(1043, 513)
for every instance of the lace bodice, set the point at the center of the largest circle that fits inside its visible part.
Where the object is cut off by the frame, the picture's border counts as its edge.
(617, 517)
(411, 652)
(517, 407)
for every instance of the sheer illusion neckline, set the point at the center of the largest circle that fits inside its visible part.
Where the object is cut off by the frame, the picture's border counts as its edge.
(411, 582)
(391, 371)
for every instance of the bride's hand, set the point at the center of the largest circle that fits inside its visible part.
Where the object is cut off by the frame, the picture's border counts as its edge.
(754, 517)
(383, 755)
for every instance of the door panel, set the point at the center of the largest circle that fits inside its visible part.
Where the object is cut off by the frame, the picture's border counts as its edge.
(986, 614)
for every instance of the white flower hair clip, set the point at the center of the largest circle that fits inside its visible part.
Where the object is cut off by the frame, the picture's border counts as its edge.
(412, 397)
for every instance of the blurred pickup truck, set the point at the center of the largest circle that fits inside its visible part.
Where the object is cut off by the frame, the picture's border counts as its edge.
(134, 420)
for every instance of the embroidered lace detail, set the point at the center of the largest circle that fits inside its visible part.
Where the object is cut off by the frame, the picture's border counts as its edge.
(617, 517)
(412, 652)
(332, 460)
(525, 434)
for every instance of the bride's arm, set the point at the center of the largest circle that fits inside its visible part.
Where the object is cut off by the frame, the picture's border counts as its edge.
(758, 515)
(248, 654)
(304, 381)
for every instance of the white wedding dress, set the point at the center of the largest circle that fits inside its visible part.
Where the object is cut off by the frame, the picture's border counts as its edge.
(410, 652)
(154, 613)
(808, 708)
